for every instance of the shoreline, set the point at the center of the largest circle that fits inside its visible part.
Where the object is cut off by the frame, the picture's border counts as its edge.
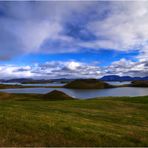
(9, 96)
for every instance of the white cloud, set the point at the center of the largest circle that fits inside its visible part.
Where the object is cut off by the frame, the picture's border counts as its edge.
(125, 67)
(49, 70)
(124, 29)
(11, 71)
(143, 56)
(74, 69)
(73, 65)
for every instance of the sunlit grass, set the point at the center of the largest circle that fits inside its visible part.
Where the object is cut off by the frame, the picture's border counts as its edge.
(27, 120)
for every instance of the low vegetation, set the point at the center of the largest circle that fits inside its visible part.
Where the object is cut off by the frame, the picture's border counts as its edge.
(88, 84)
(140, 83)
(5, 86)
(29, 120)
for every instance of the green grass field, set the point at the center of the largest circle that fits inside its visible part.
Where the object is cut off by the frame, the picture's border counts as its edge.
(27, 120)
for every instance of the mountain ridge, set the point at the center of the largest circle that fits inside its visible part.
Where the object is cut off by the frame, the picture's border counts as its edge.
(65, 80)
(122, 78)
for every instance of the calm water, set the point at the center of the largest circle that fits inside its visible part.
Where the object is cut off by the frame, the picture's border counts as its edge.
(84, 94)
(10, 83)
(44, 84)
(118, 83)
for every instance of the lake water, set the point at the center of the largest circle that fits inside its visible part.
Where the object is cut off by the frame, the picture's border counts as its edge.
(118, 83)
(44, 84)
(10, 83)
(84, 94)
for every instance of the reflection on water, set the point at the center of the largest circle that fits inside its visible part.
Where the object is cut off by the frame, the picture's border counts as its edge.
(84, 94)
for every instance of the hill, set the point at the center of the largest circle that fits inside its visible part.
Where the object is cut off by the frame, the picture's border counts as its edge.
(34, 81)
(17, 80)
(57, 95)
(87, 84)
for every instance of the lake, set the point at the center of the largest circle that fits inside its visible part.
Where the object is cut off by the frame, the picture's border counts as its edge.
(85, 94)
(117, 83)
(45, 84)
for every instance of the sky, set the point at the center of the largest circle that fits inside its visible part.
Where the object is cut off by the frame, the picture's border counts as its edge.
(73, 39)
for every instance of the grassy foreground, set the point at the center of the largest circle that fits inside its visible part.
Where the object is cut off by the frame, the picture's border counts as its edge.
(27, 120)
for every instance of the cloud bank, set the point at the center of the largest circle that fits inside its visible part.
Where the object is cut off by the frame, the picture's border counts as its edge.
(73, 69)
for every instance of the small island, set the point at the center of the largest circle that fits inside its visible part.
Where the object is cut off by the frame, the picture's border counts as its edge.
(88, 84)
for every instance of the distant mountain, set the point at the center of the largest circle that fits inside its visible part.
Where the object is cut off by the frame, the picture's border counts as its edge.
(122, 78)
(17, 80)
(145, 78)
(66, 80)
(31, 81)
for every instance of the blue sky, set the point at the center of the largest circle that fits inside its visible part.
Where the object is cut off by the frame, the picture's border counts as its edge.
(102, 58)
(73, 38)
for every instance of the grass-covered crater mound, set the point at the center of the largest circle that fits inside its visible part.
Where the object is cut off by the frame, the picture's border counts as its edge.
(57, 95)
(88, 84)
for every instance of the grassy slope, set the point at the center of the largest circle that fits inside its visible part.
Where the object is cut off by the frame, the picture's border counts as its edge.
(25, 120)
